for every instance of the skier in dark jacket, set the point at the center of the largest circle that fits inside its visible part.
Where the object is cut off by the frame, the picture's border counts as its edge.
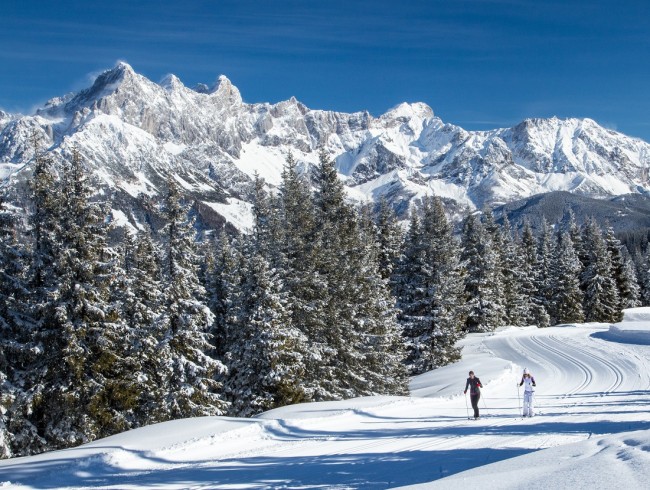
(473, 383)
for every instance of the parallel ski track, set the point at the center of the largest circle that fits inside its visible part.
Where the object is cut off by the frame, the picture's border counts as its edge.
(616, 370)
(586, 373)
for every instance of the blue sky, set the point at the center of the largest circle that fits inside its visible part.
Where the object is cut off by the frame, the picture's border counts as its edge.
(480, 64)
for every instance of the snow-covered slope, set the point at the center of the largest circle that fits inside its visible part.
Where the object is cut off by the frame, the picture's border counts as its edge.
(592, 429)
(133, 132)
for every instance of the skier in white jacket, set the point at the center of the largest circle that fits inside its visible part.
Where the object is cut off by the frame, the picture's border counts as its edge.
(529, 393)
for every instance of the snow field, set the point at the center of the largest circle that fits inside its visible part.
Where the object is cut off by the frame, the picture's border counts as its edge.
(592, 431)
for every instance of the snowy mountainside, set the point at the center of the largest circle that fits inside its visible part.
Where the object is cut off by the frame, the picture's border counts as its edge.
(625, 213)
(133, 132)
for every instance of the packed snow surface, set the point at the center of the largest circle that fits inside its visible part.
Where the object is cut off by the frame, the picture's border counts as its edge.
(591, 430)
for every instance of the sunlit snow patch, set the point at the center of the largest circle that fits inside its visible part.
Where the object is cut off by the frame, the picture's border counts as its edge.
(236, 212)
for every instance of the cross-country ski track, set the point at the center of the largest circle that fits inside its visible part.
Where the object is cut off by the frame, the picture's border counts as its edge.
(592, 404)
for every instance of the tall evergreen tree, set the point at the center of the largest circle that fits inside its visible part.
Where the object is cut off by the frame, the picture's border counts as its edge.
(14, 331)
(632, 292)
(529, 251)
(335, 230)
(411, 290)
(186, 371)
(390, 238)
(575, 233)
(430, 290)
(516, 300)
(77, 327)
(303, 281)
(142, 299)
(267, 353)
(543, 274)
(382, 369)
(482, 289)
(266, 361)
(626, 282)
(224, 285)
(29, 412)
(601, 300)
(351, 316)
(567, 296)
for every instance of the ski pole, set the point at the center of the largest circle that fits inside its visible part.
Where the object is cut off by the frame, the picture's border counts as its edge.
(518, 398)
(487, 412)
(466, 407)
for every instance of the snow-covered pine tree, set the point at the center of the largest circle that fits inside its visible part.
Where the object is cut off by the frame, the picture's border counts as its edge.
(497, 239)
(14, 331)
(187, 372)
(601, 300)
(410, 287)
(266, 353)
(77, 329)
(448, 308)
(430, 290)
(516, 300)
(266, 358)
(530, 270)
(29, 411)
(390, 236)
(354, 311)
(632, 279)
(223, 287)
(575, 233)
(567, 296)
(142, 299)
(482, 289)
(95, 352)
(303, 281)
(624, 274)
(543, 274)
(266, 229)
(336, 230)
(382, 370)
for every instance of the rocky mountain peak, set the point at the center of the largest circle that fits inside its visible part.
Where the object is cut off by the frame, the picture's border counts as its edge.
(407, 110)
(121, 79)
(5, 117)
(171, 83)
(226, 91)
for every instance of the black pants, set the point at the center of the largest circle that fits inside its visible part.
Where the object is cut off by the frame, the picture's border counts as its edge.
(474, 399)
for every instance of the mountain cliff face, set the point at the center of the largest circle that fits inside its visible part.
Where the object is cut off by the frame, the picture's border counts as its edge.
(133, 133)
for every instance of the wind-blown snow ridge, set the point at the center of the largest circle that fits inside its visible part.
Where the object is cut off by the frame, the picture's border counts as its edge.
(210, 137)
(592, 429)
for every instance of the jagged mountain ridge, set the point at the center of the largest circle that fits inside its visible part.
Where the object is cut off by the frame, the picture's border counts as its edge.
(134, 132)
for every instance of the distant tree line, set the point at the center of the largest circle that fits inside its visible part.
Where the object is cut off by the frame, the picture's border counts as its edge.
(321, 301)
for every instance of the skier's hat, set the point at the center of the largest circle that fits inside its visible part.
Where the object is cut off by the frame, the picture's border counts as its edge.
(526, 371)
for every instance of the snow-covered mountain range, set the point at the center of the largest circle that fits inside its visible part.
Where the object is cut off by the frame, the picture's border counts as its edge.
(133, 133)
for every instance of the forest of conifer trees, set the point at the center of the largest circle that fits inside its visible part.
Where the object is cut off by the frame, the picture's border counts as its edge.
(322, 300)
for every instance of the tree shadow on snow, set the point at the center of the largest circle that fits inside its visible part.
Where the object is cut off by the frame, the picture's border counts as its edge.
(366, 470)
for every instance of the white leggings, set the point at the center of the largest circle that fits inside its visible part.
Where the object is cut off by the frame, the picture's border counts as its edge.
(529, 403)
